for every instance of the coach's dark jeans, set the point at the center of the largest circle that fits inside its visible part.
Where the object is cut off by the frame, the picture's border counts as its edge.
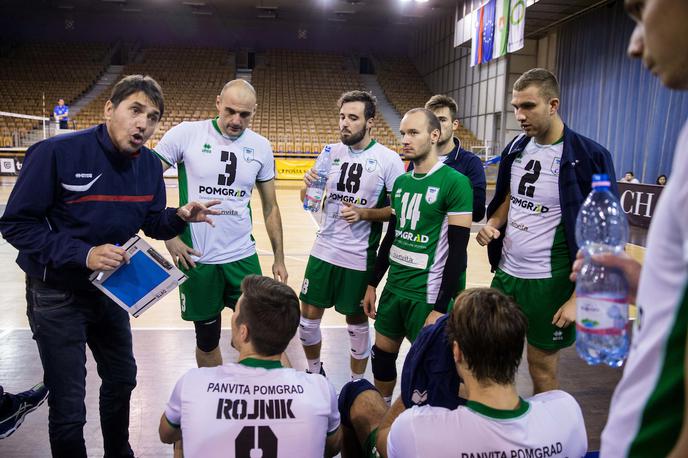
(63, 322)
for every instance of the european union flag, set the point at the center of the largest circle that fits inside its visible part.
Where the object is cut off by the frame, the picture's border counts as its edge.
(488, 30)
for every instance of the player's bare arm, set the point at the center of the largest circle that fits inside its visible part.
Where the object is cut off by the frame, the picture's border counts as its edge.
(386, 425)
(168, 434)
(490, 231)
(351, 213)
(273, 225)
(333, 444)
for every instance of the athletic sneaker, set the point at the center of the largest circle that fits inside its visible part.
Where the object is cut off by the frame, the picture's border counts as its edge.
(20, 405)
(322, 371)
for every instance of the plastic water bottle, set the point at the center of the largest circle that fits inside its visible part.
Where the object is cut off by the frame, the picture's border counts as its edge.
(601, 292)
(315, 192)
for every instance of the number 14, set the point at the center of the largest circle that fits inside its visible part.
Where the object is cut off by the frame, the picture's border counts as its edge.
(410, 209)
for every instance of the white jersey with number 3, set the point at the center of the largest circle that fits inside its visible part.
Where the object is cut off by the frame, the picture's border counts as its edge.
(230, 410)
(360, 179)
(547, 425)
(213, 166)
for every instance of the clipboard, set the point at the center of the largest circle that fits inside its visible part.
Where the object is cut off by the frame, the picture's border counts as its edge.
(144, 281)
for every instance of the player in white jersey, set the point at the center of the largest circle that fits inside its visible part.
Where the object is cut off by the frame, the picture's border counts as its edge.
(361, 175)
(486, 330)
(221, 159)
(648, 416)
(255, 407)
(544, 176)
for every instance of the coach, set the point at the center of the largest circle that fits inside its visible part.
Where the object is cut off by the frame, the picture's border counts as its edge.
(78, 196)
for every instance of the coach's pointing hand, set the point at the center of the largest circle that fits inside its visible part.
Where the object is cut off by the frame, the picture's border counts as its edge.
(197, 212)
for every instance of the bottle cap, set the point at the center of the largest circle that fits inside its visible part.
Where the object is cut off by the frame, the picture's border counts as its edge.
(600, 180)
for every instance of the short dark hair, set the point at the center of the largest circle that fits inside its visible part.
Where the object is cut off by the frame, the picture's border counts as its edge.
(438, 101)
(270, 310)
(629, 173)
(544, 79)
(490, 330)
(368, 99)
(433, 122)
(138, 83)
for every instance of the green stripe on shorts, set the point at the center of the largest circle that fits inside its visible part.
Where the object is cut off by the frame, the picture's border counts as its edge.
(212, 287)
(326, 285)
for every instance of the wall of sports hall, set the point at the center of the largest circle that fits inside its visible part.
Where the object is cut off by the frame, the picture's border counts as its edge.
(604, 94)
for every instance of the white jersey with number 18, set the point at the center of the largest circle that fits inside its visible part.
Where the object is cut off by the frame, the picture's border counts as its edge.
(360, 179)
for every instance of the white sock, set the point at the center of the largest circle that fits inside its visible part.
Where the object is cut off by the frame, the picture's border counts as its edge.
(355, 376)
(314, 365)
(388, 400)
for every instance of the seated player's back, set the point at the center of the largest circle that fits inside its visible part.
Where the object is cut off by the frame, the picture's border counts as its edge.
(231, 409)
(548, 424)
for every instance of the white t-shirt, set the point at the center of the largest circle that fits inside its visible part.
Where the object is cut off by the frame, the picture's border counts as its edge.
(362, 179)
(212, 166)
(646, 413)
(534, 213)
(548, 424)
(226, 411)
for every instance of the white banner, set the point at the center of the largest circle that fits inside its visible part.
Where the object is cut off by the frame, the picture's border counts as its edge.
(517, 25)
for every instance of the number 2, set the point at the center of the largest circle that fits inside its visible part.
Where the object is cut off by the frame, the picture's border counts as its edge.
(527, 185)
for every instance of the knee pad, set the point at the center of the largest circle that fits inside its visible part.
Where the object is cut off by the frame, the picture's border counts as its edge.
(359, 337)
(309, 331)
(208, 334)
(384, 364)
(348, 395)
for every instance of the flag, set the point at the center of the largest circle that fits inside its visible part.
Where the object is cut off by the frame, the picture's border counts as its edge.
(501, 31)
(517, 22)
(477, 42)
(488, 30)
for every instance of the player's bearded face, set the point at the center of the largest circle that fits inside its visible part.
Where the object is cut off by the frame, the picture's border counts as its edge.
(446, 121)
(352, 123)
(351, 138)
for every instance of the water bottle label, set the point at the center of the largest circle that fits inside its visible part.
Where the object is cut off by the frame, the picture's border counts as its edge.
(314, 194)
(602, 315)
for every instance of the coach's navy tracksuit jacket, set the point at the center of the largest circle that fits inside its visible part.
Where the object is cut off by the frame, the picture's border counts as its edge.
(76, 191)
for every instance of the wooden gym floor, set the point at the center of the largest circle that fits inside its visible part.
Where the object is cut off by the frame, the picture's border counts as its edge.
(164, 344)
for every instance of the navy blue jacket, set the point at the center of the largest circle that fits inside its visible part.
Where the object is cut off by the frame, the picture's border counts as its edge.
(580, 159)
(75, 192)
(469, 164)
(429, 375)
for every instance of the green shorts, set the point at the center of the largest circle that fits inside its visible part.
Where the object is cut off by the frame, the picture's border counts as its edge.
(540, 299)
(398, 317)
(212, 287)
(325, 285)
(370, 445)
